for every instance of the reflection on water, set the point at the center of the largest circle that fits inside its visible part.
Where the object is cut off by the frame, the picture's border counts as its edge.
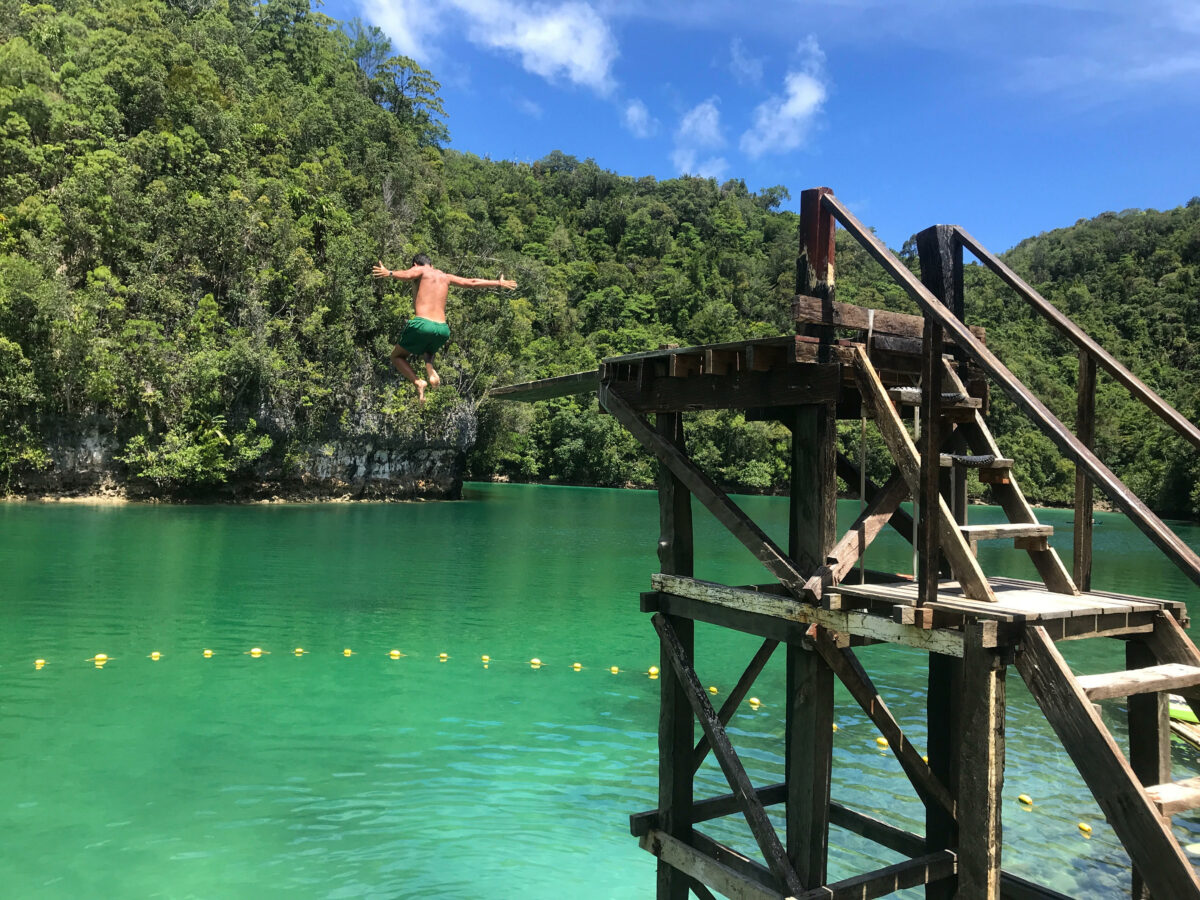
(327, 775)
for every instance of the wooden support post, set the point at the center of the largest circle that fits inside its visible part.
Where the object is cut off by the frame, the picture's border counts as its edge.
(1085, 430)
(942, 709)
(675, 728)
(981, 768)
(929, 549)
(814, 267)
(1149, 737)
(809, 718)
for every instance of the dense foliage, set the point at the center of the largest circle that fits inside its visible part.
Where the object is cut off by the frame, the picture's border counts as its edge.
(192, 194)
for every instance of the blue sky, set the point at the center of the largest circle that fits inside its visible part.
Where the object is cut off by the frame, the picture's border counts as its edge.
(1009, 118)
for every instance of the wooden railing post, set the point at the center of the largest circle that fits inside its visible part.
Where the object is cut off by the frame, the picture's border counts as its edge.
(814, 266)
(675, 729)
(1085, 430)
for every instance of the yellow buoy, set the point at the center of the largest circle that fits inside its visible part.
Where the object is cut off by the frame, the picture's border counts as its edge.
(835, 726)
(442, 657)
(101, 658)
(155, 655)
(395, 654)
(754, 702)
(925, 759)
(256, 652)
(486, 658)
(1026, 799)
(881, 741)
(535, 662)
(712, 689)
(299, 651)
(38, 663)
(347, 652)
(653, 673)
(208, 654)
(614, 669)
(1085, 827)
(578, 667)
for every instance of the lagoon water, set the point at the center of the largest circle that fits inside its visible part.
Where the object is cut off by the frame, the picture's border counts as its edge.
(326, 775)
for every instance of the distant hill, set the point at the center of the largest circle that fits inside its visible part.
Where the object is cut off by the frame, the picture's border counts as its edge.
(192, 195)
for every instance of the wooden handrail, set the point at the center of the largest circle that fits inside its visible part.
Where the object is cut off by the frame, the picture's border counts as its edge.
(1151, 525)
(1080, 339)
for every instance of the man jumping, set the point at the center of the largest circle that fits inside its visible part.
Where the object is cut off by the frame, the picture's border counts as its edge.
(427, 332)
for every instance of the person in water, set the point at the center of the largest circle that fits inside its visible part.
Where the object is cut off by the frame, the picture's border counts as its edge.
(427, 332)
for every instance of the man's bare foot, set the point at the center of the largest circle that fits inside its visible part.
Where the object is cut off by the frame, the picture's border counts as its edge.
(435, 380)
(421, 385)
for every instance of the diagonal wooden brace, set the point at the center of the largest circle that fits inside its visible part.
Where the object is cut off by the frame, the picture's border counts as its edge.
(904, 453)
(735, 773)
(736, 696)
(714, 499)
(870, 522)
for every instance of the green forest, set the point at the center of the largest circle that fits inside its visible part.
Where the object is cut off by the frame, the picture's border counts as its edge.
(192, 195)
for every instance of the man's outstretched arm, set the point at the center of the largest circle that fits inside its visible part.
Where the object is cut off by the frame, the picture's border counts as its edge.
(381, 271)
(459, 281)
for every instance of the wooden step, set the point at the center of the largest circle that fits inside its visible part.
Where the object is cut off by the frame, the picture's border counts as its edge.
(1004, 530)
(1167, 677)
(911, 396)
(1175, 796)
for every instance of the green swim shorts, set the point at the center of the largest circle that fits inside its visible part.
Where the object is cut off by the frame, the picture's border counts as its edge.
(423, 336)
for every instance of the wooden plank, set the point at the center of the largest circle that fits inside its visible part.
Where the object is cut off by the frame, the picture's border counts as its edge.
(1150, 525)
(736, 696)
(675, 730)
(711, 808)
(739, 862)
(735, 773)
(1175, 796)
(943, 720)
(1005, 530)
(713, 498)
(724, 879)
(1145, 680)
(929, 495)
(547, 388)
(848, 472)
(1080, 339)
(905, 455)
(815, 265)
(980, 786)
(685, 365)
(810, 310)
(1137, 822)
(792, 385)
(721, 362)
(850, 672)
(1085, 428)
(922, 870)
(939, 640)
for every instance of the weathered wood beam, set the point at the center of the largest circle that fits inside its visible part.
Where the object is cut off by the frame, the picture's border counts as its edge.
(723, 878)
(675, 730)
(929, 546)
(922, 870)
(799, 383)
(1085, 428)
(765, 607)
(872, 520)
(1150, 525)
(810, 310)
(848, 471)
(1149, 734)
(713, 498)
(735, 773)
(736, 696)
(1141, 829)
(547, 388)
(904, 453)
(850, 672)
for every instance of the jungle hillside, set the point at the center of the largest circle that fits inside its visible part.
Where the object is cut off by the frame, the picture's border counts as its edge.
(192, 195)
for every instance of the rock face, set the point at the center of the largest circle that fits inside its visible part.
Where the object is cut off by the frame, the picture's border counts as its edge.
(370, 466)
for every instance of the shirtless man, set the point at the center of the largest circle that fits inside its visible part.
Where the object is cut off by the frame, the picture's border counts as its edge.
(427, 332)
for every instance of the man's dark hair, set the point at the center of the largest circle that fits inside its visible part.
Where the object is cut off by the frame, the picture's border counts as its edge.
(421, 260)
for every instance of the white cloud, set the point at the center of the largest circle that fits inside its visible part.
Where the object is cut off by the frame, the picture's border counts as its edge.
(638, 121)
(527, 106)
(746, 69)
(783, 122)
(699, 132)
(554, 40)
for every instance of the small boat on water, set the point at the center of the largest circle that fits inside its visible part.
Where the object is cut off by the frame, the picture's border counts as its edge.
(1184, 724)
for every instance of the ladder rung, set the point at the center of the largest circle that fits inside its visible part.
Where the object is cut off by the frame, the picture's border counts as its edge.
(1175, 796)
(976, 462)
(911, 396)
(1167, 677)
(1004, 530)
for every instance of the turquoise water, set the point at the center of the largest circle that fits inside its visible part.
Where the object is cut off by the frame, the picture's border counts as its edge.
(325, 775)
